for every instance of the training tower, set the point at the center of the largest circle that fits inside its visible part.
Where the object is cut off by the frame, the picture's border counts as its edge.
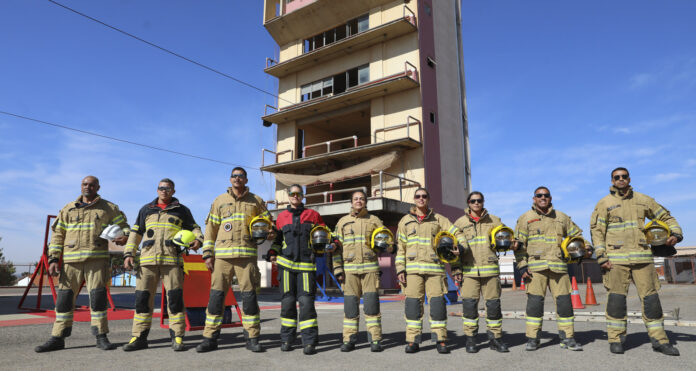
(371, 96)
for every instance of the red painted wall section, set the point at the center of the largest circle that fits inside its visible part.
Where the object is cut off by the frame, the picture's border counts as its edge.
(431, 136)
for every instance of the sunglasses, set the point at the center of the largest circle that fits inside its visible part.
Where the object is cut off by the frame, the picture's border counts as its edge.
(241, 176)
(164, 189)
(621, 176)
(543, 195)
(295, 194)
(476, 201)
(425, 197)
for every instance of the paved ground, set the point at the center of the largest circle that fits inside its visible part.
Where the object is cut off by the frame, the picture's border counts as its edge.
(17, 342)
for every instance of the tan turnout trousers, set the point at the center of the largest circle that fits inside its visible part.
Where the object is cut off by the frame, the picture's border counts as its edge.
(148, 278)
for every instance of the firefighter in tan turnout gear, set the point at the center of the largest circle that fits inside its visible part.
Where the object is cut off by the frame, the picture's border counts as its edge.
(158, 226)
(421, 270)
(624, 254)
(542, 230)
(229, 251)
(481, 274)
(357, 266)
(76, 238)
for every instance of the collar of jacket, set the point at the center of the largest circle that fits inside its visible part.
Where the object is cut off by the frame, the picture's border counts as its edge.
(296, 210)
(415, 215)
(484, 213)
(551, 211)
(173, 204)
(230, 190)
(359, 214)
(615, 192)
(78, 201)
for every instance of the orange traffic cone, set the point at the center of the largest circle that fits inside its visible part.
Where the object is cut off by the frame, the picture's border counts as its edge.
(575, 296)
(522, 286)
(589, 294)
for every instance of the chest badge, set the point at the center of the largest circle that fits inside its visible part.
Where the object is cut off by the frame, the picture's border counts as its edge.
(227, 227)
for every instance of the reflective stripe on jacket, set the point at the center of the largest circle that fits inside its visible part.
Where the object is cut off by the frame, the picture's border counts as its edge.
(542, 235)
(618, 223)
(354, 231)
(416, 253)
(77, 228)
(156, 227)
(227, 225)
(480, 259)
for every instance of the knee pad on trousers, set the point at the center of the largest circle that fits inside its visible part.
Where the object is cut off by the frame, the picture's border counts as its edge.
(97, 298)
(652, 308)
(535, 305)
(616, 305)
(564, 307)
(413, 309)
(371, 303)
(176, 300)
(350, 306)
(64, 303)
(249, 303)
(493, 310)
(217, 299)
(306, 301)
(438, 308)
(142, 301)
(470, 308)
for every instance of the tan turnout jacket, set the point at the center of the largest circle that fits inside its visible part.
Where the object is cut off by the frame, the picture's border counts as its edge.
(480, 260)
(354, 231)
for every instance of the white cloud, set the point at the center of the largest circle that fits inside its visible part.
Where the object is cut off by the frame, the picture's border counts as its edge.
(668, 177)
(642, 79)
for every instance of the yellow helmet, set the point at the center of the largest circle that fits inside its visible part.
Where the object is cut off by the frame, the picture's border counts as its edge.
(183, 238)
(444, 245)
(656, 234)
(502, 238)
(382, 238)
(573, 249)
(320, 238)
(259, 228)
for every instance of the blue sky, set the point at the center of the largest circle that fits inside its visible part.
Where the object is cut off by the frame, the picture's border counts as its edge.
(558, 93)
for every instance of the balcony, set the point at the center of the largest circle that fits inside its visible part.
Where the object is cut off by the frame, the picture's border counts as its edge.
(401, 81)
(363, 40)
(286, 24)
(396, 137)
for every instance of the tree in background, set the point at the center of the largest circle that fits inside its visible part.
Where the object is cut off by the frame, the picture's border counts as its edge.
(7, 271)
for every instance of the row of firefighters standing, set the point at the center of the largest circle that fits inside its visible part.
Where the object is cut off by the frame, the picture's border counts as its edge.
(546, 240)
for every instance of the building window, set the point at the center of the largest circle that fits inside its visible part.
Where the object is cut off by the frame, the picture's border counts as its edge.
(432, 117)
(336, 84)
(352, 27)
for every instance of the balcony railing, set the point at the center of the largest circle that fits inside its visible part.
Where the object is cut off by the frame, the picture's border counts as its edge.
(328, 144)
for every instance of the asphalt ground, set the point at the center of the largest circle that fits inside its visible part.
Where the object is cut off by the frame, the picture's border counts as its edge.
(17, 342)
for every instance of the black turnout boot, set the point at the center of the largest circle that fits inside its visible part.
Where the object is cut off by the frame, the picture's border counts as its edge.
(103, 343)
(207, 345)
(54, 343)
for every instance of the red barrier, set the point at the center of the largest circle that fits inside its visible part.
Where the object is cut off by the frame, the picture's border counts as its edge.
(196, 295)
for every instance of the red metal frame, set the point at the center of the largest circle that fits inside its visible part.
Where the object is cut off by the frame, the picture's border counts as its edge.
(42, 270)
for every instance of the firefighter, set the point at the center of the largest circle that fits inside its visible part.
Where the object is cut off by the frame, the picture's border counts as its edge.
(295, 257)
(356, 265)
(542, 230)
(157, 226)
(76, 238)
(421, 270)
(228, 252)
(481, 274)
(624, 254)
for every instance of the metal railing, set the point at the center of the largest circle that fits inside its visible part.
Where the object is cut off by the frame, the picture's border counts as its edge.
(270, 62)
(411, 17)
(410, 120)
(277, 154)
(326, 194)
(328, 144)
(401, 179)
(411, 72)
(265, 109)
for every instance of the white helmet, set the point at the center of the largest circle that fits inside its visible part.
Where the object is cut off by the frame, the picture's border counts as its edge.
(111, 232)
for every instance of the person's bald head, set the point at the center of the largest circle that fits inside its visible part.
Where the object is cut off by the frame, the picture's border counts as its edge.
(90, 187)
